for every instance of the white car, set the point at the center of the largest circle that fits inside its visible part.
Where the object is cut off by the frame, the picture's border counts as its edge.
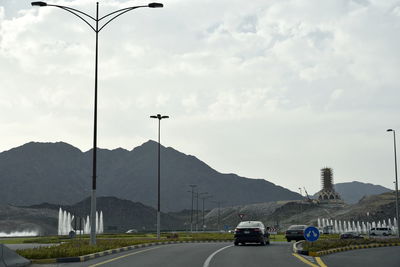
(385, 231)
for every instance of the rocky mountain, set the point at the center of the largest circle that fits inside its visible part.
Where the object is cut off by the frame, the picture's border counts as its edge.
(285, 213)
(352, 192)
(60, 173)
(119, 216)
(22, 219)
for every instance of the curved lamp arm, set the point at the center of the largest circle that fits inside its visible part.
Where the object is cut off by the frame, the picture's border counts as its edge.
(123, 11)
(78, 12)
(70, 10)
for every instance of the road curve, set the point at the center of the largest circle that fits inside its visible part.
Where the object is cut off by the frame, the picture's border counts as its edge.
(199, 255)
(385, 256)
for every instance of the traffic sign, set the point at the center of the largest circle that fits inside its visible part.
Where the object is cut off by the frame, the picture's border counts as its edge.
(241, 215)
(311, 233)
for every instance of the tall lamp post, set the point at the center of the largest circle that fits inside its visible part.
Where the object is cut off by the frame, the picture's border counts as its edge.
(159, 117)
(397, 184)
(219, 213)
(191, 211)
(204, 198)
(198, 195)
(88, 19)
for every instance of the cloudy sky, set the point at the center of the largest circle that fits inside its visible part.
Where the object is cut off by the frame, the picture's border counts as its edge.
(273, 89)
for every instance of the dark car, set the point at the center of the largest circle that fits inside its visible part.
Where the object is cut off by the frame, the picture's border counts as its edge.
(295, 232)
(251, 232)
(350, 235)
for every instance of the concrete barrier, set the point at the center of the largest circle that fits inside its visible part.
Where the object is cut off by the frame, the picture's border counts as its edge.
(9, 258)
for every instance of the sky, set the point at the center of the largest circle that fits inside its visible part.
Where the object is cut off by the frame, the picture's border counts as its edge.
(271, 89)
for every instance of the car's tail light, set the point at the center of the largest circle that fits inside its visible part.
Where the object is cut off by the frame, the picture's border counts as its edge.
(257, 230)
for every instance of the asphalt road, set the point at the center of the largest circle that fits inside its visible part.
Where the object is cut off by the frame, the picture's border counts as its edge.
(200, 255)
(371, 257)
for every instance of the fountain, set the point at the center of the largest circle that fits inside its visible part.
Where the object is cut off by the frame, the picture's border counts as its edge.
(65, 223)
(338, 226)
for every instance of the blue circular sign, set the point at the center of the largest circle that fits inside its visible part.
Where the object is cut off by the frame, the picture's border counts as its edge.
(311, 233)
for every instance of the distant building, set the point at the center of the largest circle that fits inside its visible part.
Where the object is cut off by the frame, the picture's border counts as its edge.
(328, 194)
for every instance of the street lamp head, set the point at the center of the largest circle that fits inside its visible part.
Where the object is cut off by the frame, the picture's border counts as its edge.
(39, 4)
(155, 5)
(389, 130)
(158, 116)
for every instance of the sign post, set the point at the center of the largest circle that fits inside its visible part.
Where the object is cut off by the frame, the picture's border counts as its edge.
(311, 234)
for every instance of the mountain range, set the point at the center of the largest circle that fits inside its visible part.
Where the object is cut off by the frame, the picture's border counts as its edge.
(61, 173)
(352, 192)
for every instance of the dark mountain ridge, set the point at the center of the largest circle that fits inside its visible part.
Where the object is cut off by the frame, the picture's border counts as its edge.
(60, 173)
(352, 192)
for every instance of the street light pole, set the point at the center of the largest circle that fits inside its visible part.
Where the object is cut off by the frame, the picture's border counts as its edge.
(219, 213)
(397, 184)
(159, 117)
(198, 195)
(191, 211)
(204, 198)
(88, 19)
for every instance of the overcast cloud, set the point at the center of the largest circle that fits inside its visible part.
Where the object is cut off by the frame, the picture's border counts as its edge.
(273, 89)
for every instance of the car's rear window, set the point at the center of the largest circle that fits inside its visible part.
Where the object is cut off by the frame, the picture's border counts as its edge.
(297, 227)
(250, 224)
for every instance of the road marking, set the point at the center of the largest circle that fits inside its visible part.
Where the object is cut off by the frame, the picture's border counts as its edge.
(120, 257)
(304, 260)
(320, 262)
(207, 262)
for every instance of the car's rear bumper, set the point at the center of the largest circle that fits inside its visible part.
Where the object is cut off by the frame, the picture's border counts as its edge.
(249, 238)
(295, 237)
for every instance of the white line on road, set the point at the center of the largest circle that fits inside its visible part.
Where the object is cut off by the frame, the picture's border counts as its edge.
(207, 262)
(124, 256)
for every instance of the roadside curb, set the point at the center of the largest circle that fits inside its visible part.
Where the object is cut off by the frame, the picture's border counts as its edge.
(298, 248)
(117, 250)
(335, 250)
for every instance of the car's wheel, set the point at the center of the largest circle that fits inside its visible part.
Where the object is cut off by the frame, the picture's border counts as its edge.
(236, 243)
(288, 240)
(267, 242)
(262, 243)
(384, 234)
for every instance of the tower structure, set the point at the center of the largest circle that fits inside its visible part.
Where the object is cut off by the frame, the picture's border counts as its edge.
(327, 194)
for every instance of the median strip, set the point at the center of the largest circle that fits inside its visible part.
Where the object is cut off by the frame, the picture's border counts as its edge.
(113, 251)
(298, 248)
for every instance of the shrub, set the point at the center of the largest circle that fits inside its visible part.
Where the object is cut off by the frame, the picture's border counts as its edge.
(338, 243)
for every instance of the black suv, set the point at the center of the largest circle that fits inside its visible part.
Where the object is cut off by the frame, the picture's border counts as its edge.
(251, 232)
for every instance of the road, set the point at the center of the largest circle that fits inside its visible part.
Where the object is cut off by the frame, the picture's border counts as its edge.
(387, 257)
(199, 255)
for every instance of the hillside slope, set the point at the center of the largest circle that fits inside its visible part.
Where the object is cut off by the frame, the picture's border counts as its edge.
(60, 173)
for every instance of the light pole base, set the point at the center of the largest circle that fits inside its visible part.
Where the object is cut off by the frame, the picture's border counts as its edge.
(93, 219)
(158, 224)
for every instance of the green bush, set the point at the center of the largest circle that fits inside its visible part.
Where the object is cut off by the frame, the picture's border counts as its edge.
(326, 244)
(79, 247)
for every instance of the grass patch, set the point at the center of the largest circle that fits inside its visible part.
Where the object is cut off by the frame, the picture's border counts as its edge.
(79, 247)
(326, 244)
